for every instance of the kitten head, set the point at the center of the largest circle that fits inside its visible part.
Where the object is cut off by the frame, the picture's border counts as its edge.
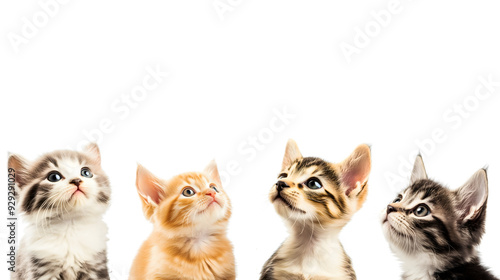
(61, 184)
(185, 201)
(314, 190)
(429, 219)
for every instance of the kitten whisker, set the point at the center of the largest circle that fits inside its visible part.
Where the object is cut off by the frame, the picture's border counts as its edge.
(304, 225)
(312, 231)
(319, 222)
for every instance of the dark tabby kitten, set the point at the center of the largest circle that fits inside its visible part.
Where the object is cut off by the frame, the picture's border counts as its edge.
(62, 197)
(316, 199)
(435, 231)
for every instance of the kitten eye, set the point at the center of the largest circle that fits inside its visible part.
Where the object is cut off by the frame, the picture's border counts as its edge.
(188, 192)
(398, 199)
(422, 211)
(86, 172)
(314, 183)
(54, 176)
(282, 176)
(214, 188)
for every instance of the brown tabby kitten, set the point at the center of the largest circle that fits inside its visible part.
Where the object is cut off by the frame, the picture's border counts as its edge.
(316, 199)
(62, 197)
(435, 231)
(190, 213)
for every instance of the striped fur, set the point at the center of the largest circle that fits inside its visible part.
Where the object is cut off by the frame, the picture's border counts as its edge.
(65, 236)
(189, 240)
(440, 242)
(316, 199)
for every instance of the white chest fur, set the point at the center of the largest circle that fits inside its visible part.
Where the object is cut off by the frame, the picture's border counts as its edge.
(316, 257)
(419, 266)
(67, 242)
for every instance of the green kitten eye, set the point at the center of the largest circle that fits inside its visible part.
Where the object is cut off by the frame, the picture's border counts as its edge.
(282, 176)
(422, 211)
(188, 192)
(314, 183)
(54, 176)
(214, 188)
(86, 173)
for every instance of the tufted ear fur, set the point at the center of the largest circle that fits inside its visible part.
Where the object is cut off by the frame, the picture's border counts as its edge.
(355, 169)
(149, 189)
(213, 173)
(472, 197)
(418, 172)
(93, 150)
(20, 166)
(292, 153)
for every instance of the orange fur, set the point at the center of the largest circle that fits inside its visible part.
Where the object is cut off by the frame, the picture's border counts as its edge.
(189, 235)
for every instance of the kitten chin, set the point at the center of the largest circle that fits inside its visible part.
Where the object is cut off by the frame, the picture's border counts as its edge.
(62, 197)
(316, 199)
(189, 213)
(435, 231)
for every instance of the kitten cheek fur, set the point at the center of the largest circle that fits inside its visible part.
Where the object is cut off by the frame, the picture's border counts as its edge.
(63, 238)
(315, 214)
(35, 193)
(441, 244)
(189, 231)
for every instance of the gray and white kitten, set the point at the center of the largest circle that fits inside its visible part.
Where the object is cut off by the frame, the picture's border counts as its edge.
(62, 197)
(316, 199)
(435, 231)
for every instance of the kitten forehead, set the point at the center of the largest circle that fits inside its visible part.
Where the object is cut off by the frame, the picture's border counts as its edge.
(427, 190)
(190, 179)
(58, 159)
(315, 167)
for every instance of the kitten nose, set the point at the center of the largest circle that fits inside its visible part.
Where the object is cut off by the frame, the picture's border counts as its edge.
(280, 185)
(390, 209)
(76, 182)
(211, 193)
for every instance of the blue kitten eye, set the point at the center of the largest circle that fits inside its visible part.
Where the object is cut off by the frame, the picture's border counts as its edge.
(188, 192)
(397, 200)
(86, 172)
(422, 210)
(54, 176)
(313, 183)
(282, 176)
(214, 188)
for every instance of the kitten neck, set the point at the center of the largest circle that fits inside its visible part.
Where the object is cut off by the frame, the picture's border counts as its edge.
(58, 219)
(193, 242)
(307, 234)
(425, 265)
(191, 231)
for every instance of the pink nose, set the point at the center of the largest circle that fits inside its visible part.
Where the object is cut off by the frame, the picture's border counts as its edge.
(211, 193)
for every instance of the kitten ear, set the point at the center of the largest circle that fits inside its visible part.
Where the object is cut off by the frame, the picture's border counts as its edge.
(418, 172)
(213, 173)
(20, 166)
(354, 170)
(291, 153)
(148, 186)
(472, 196)
(93, 150)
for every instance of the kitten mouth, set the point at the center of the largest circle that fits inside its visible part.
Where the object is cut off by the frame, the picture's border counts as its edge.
(394, 231)
(211, 205)
(288, 204)
(386, 219)
(77, 192)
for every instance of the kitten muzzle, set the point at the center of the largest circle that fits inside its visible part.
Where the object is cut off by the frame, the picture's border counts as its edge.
(283, 200)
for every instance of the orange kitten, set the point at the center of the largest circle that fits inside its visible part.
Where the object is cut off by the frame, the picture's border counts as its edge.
(190, 213)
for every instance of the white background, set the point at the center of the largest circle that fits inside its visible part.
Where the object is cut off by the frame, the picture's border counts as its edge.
(228, 75)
